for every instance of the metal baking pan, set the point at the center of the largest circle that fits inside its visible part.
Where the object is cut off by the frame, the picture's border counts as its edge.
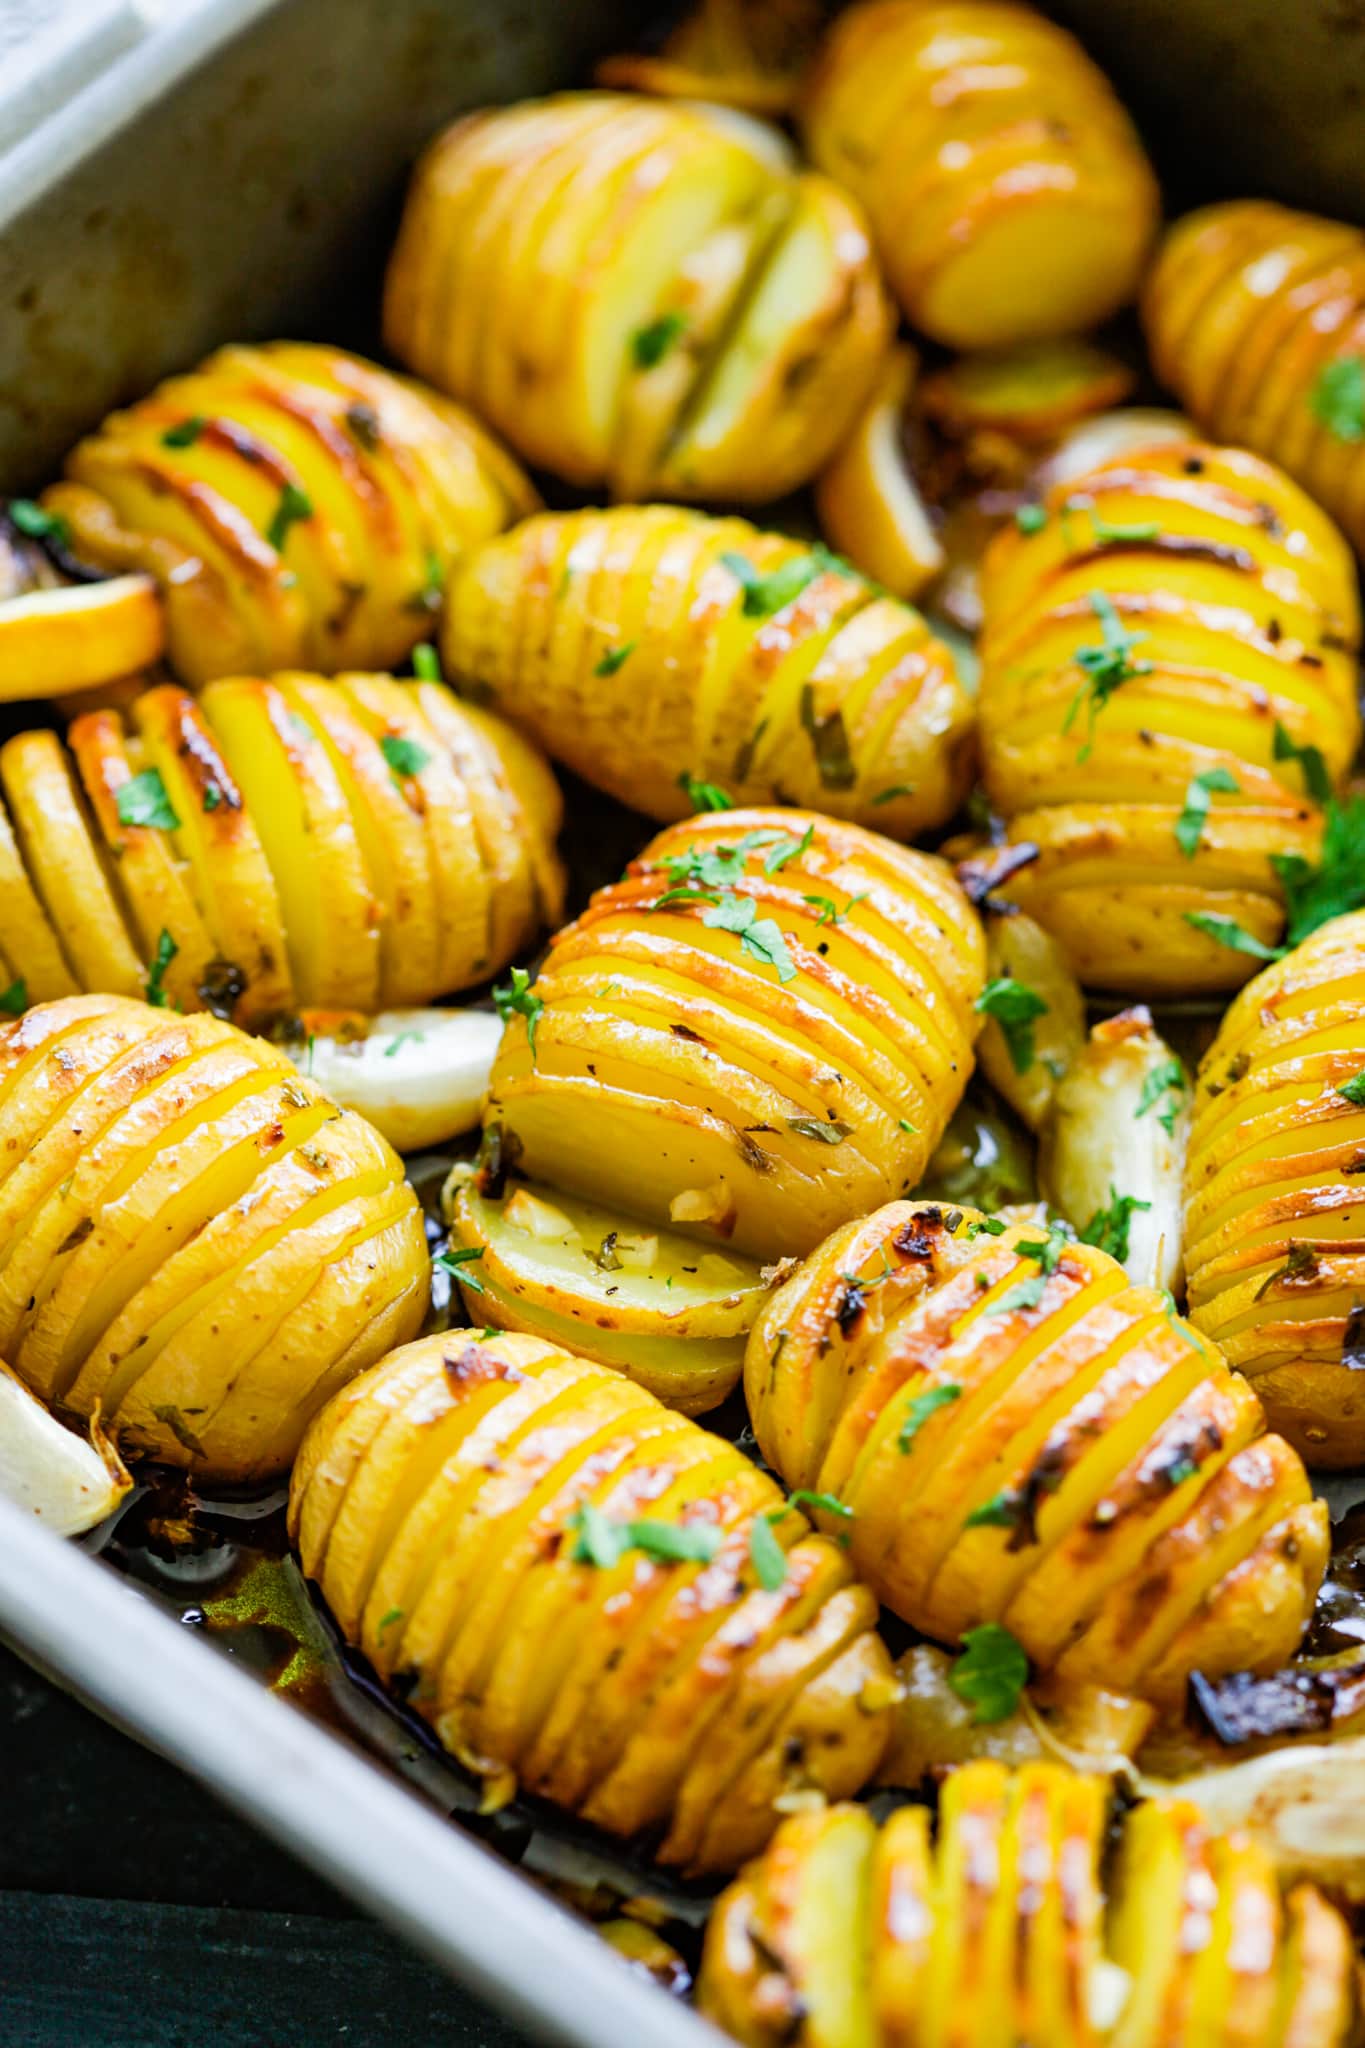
(234, 173)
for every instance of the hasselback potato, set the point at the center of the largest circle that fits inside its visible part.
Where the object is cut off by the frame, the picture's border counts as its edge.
(299, 507)
(193, 1239)
(1274, 1209)
(998, 1931)
(1168, 694)
(271, 846)
(654, 648)
(760, 1031)
(1255, 316)
(566, 1578)
(1017, 1435)
(639, 294)
(1009, 196)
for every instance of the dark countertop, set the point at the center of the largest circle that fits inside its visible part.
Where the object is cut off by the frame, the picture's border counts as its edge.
(136, 1912)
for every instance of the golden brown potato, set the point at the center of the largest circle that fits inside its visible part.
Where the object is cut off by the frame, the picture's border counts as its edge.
(1016, 1435)
(758, 1033)
(1009, 196)
(651, 649)
(639, 294)
(298, 506)
(567, 1578)
(1255, 317)
(1274, 1212)
(196, 1243)
(869, 502)
(997, 1932)
(274, 846)
(1168, 694)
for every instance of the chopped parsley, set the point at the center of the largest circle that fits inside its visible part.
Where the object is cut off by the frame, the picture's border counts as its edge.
(822, 1503)
(1104, 668)
(1164, 1086)
(456, 1256)
(1108, 1229)
(922, 1407)
(1028, 1293)
(829, 910)
(889, 795)
(1338, 398)
(1106, 531)
(703, 796)
(405, 757)
(515, 999)
(1227, 932)
(1301, 1264)
(764, 595)
(760, 937)
(166, 950)
(1030, 518)
(14, 999)
(831, 1133)
(991, 1673)
(1179, 1470)
(1316, 780)
(766, 1554)
(602, 1541)
(1336, 884)
(426, 663)
(615, 659)
(1001, 1511)
(1352, 1091)
(783, 849)
(649, 345)
(395, 1045)
(1016, 1008)
(142, 800)
(1189, 826)
(184, 433)
(294, 505)
(38, 524)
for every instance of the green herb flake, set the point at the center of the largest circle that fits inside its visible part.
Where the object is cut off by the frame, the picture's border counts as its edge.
(704, 796)
(1316, 780)
(922, 1407)
(764, 595)
(1030, 518)
(166, 950)
(1104, 668)
(760, 937)
(1001, 1511)
(1163, 1090)
(1016, 1008)
(184, 433)
(615, 659)
(766, 1555)
(602, 1541)
(1108, 1229)
(14, 999)
(37, 524)
(784, 849)
(1338, 398)
(1352, 1091)
(395, 1045)
(426, 663)
(212, 797)
(452, 1260)
(912, 1130)
(991, 1673)
(405, 757)
(649, 345)
(1189, 826)
(1179, 1470)
(821, 1503)
(142, 800)
(1314, 895)
(1109, 533)
(515, 999)
(992, 1226)
(831, 1133)
(1227, 932)
(294, 505)
(173, 1419)
(888, 796)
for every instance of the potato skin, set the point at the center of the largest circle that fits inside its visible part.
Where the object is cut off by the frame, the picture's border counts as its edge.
(302, 869)
(623, 643)
(1002, 1920)
(1245, 308)
(1240, 617)
(639, 295)
(1138, 1523)
(304, 512)
(434, 1504)
(1274, 1229)
(685, 1079)
(196, 1242)
(1008, 193)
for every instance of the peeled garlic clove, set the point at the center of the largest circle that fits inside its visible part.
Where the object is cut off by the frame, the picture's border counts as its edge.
(65, 1481)
(417, 1075)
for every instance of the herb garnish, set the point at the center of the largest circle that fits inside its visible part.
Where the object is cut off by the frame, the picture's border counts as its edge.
(1353, 1091)
(426, 663)
(773, 592)
(599, 1540)
(649, 345)
(1015, 1008)
(38, 524)
(615, 659)
(453, 1257)
(1316, 780)
(1108, 1228)
(142, 800)
(1228, 932)
(1189, 826)
(766, 1554)
(922, 1407)
(14, 999)
(1165, 1085)
(166, 950)
(1338, 398)
(294, 505)
(991, 1672)
(405, 757)
(703, 796)
(515, 999)
(1104, 667)
(184, 433)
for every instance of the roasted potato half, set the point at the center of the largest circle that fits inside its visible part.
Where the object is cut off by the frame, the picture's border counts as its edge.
(655, 1304)
(1168, 693)
(1255, 317)
(1015, 1434)
(756, 1034)
(565, 1576)
(1009, 196)
(274, 846)
(654, 648)
(1274, 1208)
(299, 507)
(996, 1929)
(639, 294)
(196, 1243)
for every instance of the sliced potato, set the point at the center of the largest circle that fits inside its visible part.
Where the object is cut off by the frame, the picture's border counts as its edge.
(416, 1075)
(1306, 1804)
(1097, 440)
(67, 1482)
(1029, 393)
(1024, 1056)
(869, 503)
(78, 637)
(1112, 1153)
(671, 1313)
